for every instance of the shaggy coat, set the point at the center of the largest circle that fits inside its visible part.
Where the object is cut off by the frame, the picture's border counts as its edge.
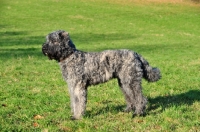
(82, 69)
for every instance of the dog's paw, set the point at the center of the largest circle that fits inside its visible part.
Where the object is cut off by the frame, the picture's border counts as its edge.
(142, 114)
(75, 118)
(128, 109)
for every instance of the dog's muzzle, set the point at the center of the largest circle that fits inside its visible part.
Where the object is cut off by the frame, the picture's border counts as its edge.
(44, 49)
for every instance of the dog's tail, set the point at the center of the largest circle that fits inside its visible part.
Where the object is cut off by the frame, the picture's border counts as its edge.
(151, 74)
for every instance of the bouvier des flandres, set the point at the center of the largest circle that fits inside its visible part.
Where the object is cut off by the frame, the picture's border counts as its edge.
(82, 69)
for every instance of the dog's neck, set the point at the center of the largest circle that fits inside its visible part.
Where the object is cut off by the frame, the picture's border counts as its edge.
(62, 59)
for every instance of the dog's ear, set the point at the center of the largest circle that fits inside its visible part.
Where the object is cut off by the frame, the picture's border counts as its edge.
(64, 35)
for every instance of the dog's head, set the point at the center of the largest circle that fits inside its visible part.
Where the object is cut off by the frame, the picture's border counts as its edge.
(58, 45)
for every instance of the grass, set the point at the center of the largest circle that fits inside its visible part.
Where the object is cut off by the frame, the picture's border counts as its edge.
(34, 97)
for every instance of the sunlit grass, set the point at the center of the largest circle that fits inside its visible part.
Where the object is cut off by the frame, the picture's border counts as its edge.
(34, 97)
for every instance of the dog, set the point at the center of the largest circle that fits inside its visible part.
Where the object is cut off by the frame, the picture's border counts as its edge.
(82, 69)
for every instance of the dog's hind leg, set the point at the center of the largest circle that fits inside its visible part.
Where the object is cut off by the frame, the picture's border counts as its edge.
(136, 86)
(130, 82)
(128, 96)
(139, 99)
(78, 96)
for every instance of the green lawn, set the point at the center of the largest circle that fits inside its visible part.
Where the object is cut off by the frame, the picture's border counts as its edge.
(34, 97)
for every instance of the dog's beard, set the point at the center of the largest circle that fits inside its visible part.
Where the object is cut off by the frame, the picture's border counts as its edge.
(53, 52)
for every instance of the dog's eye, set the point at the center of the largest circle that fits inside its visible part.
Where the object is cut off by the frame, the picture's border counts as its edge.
(53, 41)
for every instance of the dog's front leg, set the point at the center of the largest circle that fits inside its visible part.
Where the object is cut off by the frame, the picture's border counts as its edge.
(78, 96)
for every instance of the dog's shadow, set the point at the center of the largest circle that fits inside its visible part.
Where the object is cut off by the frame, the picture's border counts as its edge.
(156, 105)
(160, 103)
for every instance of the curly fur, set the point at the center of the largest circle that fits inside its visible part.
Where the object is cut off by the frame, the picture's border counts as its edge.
(82, 69)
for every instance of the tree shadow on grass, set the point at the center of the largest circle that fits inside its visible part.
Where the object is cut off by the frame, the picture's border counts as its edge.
(164, 102)
(96, 37)
(19, 38)
(7, 54)
(19, 44)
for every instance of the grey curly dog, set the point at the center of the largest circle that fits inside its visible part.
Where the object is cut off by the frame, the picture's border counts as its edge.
(82, 69)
